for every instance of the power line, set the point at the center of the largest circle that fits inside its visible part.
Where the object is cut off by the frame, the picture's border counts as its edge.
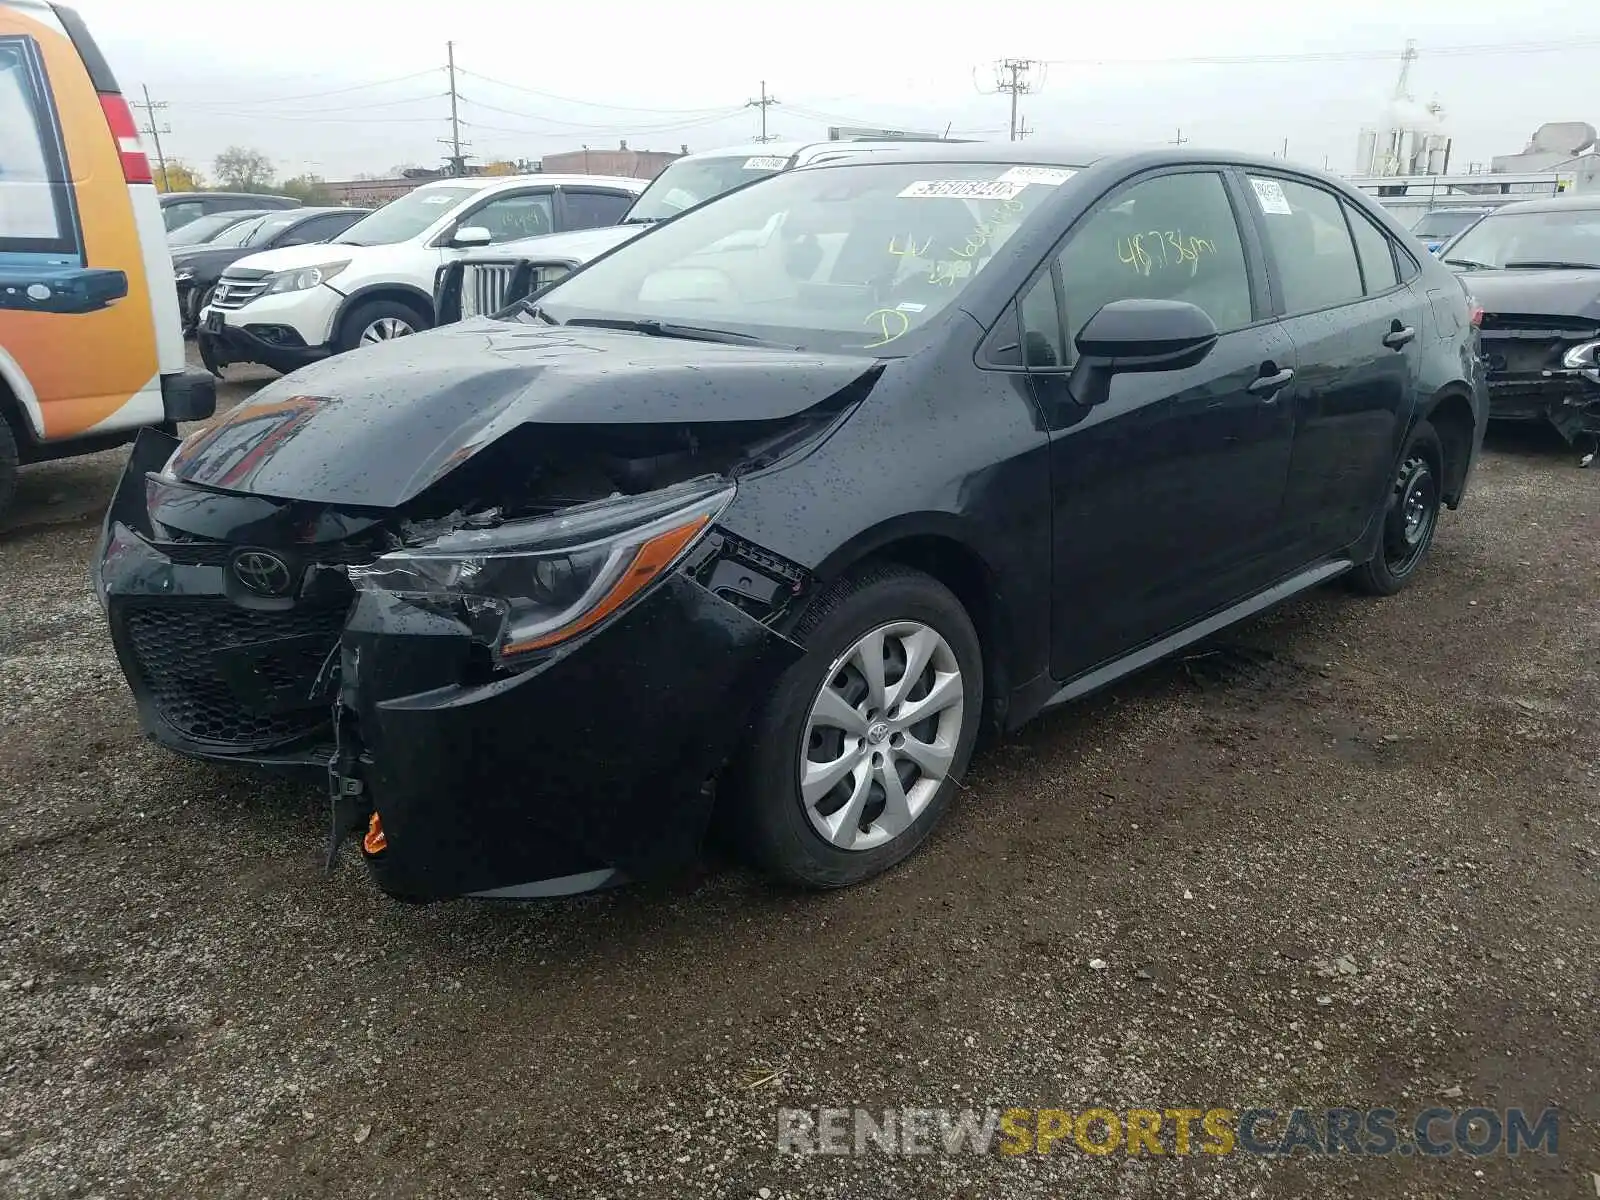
(517, 87)
(358, 87)
(151, 107)
(708, 115)
(696, 123)
(763, 104)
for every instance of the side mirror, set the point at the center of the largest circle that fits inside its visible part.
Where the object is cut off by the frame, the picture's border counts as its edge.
(470, 237)
(1138, 336)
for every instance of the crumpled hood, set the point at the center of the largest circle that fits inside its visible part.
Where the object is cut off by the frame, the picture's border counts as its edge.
(376, 426)
(1536, 293)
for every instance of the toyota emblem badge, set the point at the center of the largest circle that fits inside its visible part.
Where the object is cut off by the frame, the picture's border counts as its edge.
(262, 573)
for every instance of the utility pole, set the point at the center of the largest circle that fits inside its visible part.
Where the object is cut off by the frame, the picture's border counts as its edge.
(763, 104)
(1023, 130)
(1180, 139)
(458, 162)
(1009, 77)
(150, 108)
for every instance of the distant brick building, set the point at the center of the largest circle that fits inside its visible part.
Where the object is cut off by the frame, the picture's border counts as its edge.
(634, 164)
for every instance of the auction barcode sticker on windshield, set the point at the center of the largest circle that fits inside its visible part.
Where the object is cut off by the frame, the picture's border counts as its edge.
(1269, 192)
(1051, 176)
(965, 189)
(766, 162)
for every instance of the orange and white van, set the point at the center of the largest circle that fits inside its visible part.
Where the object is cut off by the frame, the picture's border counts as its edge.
(91, 343)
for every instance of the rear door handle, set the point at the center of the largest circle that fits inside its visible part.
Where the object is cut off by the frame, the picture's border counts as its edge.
(1396, 338)
(1270, 385)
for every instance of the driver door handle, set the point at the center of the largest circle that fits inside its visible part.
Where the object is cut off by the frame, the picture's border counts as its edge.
(1269, 386)
(1398, 336)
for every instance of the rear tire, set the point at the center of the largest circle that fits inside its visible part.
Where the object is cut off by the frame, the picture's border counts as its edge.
(378, 321)
(8, 464)
(1410, 516)
(895, 749)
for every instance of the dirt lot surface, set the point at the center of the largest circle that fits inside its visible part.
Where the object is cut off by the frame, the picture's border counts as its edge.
(190, 1008)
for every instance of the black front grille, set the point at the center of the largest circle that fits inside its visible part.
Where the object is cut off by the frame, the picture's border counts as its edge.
(219, 673)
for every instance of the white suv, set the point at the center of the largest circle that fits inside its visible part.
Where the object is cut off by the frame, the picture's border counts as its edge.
(487, 283)
(285, 308)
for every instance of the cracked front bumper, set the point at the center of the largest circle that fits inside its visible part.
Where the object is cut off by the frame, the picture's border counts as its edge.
(586, 767)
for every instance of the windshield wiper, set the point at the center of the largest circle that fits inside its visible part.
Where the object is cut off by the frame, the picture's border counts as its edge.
(1468, 263)
(1553, 265)
(530, 309)
(640, 220)
(693, 333)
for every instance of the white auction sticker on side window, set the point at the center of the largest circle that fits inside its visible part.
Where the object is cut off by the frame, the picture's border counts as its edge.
(1269, 192)
(965, 189)
(1051, 176)
(766, 162)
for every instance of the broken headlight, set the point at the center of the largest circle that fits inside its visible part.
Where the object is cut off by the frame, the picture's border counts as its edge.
(1585, 360)
(525, 586)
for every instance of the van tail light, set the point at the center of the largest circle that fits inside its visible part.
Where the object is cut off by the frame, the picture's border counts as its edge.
(135, 166)
(1475, 314)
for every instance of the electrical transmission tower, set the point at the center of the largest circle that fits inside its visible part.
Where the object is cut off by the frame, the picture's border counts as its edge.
(151, 107)
(1011, 77)
(457, 160)
(763, 104)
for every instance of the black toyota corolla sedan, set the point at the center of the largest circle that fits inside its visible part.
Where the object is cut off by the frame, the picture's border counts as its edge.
(755, 523)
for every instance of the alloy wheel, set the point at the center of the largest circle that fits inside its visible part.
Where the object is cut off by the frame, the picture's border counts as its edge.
(881, 735)
(385, 329)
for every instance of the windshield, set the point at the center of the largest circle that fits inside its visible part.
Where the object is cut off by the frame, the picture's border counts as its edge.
(1564, 237)
(203, 229)
(269, 227)
(1437, 226)
(238, 235)
(403, 219)
(691, 181)
(839, 257)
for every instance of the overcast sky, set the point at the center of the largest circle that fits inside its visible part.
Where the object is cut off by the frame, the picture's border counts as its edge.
(552, 76)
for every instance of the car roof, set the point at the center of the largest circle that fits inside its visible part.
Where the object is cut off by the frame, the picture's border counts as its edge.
(484, 183)
(791, 149)
(175, 197)
(1564, 203)
(325, 210)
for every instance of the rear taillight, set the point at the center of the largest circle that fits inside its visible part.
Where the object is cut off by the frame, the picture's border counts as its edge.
(1475, 313)
(135, 166)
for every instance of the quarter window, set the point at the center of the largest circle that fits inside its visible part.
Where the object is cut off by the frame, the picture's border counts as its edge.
(1041, 325)
(1173, 237)
(1375, 251)
(1311, 246)
(591, 210)
(34, 214)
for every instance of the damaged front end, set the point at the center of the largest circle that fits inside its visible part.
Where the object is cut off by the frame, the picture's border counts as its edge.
(1545, 368)
(517, 682)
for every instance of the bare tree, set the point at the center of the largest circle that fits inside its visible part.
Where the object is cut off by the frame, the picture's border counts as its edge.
(240, 169)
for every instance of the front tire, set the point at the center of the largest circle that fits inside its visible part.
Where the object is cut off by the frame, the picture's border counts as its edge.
(9, 459)
(1410, 517)
(378, 321)
(857, 754)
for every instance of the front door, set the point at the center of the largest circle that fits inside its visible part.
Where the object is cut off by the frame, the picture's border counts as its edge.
(1166, 496)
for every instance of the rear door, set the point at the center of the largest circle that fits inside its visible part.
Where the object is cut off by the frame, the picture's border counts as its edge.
(78, 346)
(1355, 328)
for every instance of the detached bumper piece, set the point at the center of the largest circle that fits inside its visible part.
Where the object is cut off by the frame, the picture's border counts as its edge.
(188, 396)
(277, 346)
(1529, 379)
(458, 777)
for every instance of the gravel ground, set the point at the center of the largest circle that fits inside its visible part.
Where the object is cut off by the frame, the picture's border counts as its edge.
(190, 1008)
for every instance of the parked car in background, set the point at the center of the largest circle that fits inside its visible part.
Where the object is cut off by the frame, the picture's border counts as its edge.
(1534, 266)
(179, 208)
(285, 308)
(196, 269)
(202, 229)
(90, 343)
(978, 430)
(483, 283)
(1434, 229)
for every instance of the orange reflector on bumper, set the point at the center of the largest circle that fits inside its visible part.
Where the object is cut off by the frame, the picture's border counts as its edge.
(375, 842)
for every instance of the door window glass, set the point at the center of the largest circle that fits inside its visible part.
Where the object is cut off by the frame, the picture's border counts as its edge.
(1173, 237)
(591, 210)
(509, 218)
(33, 203)
(1375, 251)
(1316, 261)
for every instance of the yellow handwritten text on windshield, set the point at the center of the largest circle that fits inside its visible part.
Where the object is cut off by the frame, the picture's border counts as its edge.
(985, 231)
(890, 324)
